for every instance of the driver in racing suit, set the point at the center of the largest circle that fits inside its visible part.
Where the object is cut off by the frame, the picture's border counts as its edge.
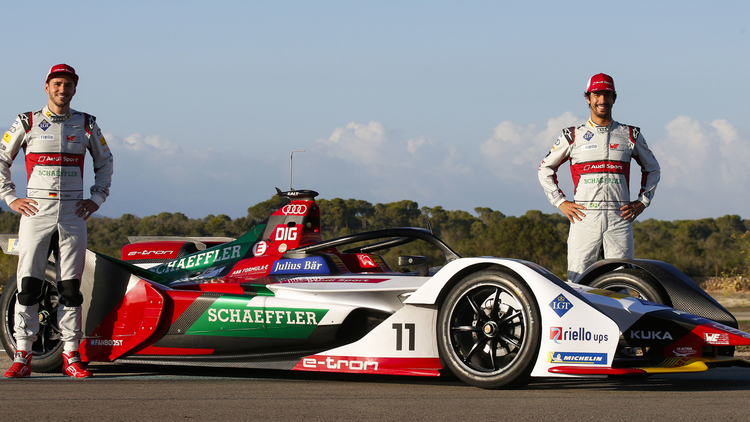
(54, 213)
(600, 152)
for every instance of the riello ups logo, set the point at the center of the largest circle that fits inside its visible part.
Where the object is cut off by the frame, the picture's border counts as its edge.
(235, 317)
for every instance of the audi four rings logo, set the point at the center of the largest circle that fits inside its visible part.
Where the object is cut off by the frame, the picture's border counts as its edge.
(295, 209)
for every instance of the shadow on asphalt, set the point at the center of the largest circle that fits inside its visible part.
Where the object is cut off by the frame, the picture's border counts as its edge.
(719, 379)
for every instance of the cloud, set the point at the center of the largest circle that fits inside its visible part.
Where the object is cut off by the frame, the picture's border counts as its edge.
(154, 174)
(704, 168)
(385, 167)
(703, 165)
(365, 144)
(152, 143)
(372, 147)
(696, 155)
(514, 151)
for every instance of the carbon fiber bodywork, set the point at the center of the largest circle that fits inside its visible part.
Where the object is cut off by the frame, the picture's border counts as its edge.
(684, 294)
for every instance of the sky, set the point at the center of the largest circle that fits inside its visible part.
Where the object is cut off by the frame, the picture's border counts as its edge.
(446, 103)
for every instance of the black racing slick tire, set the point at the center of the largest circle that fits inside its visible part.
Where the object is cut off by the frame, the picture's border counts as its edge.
(489, 330)
(633, 282)
(47, 348)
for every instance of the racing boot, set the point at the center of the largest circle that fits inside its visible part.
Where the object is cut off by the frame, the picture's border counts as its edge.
(73, 367)
(21, 367)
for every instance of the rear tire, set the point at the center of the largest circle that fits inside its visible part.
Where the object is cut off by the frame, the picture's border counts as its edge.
(47, 348)
(489, 330)
(635, 283)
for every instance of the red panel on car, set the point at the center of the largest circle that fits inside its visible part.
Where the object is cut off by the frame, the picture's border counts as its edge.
(151, 250)
(128, 325)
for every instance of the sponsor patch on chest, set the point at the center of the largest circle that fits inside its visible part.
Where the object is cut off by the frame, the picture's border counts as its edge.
(588, 147)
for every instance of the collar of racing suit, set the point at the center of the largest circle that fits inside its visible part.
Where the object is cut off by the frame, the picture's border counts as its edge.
(56, 118)
(602, 129)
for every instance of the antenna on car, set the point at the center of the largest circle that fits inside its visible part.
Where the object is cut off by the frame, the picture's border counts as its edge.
(291, 160)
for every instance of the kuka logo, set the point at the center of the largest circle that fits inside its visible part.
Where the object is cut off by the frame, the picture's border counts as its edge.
(650, 335)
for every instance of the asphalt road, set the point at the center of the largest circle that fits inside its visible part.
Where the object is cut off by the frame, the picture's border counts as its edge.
(139, 392)
(142, 392)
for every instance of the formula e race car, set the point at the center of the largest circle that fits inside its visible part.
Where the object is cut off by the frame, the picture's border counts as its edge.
(281, 297)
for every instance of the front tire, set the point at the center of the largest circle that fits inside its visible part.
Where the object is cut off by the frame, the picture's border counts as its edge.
(489, 330)
(47, 348)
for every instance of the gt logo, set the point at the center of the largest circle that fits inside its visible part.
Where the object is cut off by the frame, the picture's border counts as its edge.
(294, 209)
(285, 233)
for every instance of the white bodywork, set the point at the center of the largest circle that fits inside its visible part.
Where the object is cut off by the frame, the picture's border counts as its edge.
(574, 329)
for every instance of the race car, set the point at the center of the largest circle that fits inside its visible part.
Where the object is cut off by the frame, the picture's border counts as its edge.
(281, 297)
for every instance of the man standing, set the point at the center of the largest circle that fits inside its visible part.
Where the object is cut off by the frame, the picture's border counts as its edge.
(600, 151)
(54, 213)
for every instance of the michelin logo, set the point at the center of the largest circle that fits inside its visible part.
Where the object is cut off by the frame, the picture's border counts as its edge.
(577, 358)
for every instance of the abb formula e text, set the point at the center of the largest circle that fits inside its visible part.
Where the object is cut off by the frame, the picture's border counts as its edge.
(281, 297)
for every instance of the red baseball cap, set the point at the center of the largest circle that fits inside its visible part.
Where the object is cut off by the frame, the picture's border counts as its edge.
(62, 68)
(600, 82)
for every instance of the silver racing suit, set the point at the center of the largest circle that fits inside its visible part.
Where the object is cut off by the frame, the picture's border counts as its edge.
(55, 151)
(600, 165)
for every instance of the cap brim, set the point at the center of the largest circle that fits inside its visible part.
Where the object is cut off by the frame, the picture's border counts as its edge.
(56, 74)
